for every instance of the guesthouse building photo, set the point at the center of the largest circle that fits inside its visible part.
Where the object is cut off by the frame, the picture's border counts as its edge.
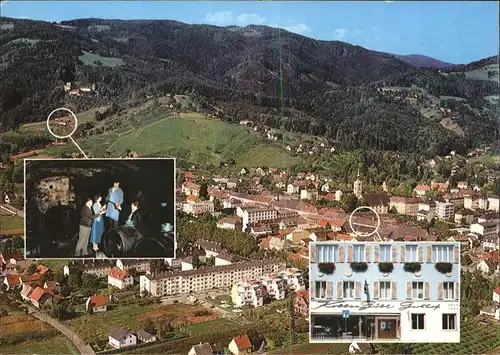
(384, 292)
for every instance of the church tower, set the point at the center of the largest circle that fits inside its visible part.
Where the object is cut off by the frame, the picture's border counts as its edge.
(358, 187)
(384, 187)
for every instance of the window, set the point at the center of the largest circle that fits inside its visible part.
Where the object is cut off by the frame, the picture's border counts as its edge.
(449, 321)
(385, 290)
(448, 290)
(348, 289)
(417, 289)
(385, 253)
(326, 253)
(442, 254)
(359, 253)
(320, 289)
(417, 321)
(411, 253)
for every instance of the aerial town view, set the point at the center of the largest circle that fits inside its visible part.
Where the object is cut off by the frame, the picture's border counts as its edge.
(335, 187)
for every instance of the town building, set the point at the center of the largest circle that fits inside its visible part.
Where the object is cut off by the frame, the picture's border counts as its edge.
(490, 242)
(120, 278)
(145, 337)
(138, 265)
(486, 229)
(494, 203)
(195, 206)
(240, 345)
(421, 190)
(41, 297)
(230, 222)
(493, 309)
(253, 215)
(190, 188)
(404, 205)
(381, 292)
(250, 293)
(379, 201)
(445, 210)
(208, 278)
(358, 187)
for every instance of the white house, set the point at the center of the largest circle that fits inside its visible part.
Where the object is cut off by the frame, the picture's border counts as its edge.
(120, 278)
(97, 303)
(120, 338)
(493, 310)
(494, 203)
(240, 345)
(248, 293)
(201, 349)
(145, 337)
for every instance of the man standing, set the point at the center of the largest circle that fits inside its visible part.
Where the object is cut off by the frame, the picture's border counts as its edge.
(115, 200)
(86, 219)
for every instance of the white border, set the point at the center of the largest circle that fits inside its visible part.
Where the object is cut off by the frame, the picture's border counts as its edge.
(359, 341)
(25, 160)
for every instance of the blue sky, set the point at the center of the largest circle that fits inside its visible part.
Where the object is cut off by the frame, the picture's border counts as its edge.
(456, 32)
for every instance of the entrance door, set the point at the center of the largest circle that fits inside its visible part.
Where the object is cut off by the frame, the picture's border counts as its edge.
(387, 328)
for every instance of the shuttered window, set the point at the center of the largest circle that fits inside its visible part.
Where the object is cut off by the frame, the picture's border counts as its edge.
(448, 290)
(411, 253)
(442, 254)
(385, 290)
(385, 255)
(326, 253)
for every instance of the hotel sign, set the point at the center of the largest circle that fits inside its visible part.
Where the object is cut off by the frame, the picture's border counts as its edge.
(370, 305)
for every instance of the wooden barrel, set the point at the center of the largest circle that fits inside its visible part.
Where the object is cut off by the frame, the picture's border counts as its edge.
(118, 242)
(161, 246)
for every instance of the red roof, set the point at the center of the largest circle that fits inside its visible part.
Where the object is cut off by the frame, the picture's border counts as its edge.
(32, 278)
(38, 293)
(98, 301)
(13, 280)
(422, 188)
(191, 198)
(42, 269)
(117, 273)
(243, 342)
(497, 290)
(191, 185)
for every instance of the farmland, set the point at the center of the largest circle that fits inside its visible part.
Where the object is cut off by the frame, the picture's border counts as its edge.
(93, 59)
(15, 325)
(58, 344)
(94, 328)
(11, 222)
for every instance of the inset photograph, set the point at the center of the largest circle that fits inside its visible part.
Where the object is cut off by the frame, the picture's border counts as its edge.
(100, 208)
(384, 292)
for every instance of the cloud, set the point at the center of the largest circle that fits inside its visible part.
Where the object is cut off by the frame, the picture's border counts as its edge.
(254, 19)
(223, 18)
(344, 33)
(226, 18)
(300, 28)
(340, 33)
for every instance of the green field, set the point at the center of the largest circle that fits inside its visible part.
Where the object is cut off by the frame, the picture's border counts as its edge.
(11, 222)
(53, 345)
(92, 59)
(482, 74)
(195, 138)
(208, 327)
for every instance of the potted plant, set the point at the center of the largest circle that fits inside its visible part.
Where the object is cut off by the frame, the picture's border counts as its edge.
(359, 266)
(385, 267)
(326, 268)
(412, 267)
(444, 268)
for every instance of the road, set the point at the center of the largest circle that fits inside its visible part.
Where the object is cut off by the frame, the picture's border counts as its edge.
(12, 210)
(71, 335)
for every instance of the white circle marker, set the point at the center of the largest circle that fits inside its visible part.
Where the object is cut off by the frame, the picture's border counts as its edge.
(67, 135)
(364, 234)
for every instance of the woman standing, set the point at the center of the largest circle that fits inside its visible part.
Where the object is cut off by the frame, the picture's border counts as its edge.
(98, 225)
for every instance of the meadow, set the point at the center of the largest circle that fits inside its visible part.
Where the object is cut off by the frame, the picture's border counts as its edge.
(58, 344)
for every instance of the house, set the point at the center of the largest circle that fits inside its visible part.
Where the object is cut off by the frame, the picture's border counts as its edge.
(301, 303)
(121, 296)
(464, 240)
(120, 278)
(145, 337)
(11, 257)
(12, 281)
(462, 185)
(440, 186)
(464, 217)
(138, 265)
(33, 279)
(190, 188)
(25, 292)
(230, 222)
(490, 242)
(308, 194)
(96, 304)
(445, 210)
(248, 293)
(240, 345)
(421, 190)
(494, 203)
(487, 266)
(201, 349)
(493, 309)
(379, 201)
(404, 205)
(41, 297)
(120, 338)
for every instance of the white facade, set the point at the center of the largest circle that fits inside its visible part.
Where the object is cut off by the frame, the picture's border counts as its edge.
(252, 215)
(120, 283)
(248, 293)
(494, 203)
(128, 340)
(199, 207)
(445, 210)
(209, 278)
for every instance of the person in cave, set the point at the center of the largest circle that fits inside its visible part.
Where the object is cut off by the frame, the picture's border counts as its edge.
(115, 200)
(98, 225)
(135, 217)
(87, 216)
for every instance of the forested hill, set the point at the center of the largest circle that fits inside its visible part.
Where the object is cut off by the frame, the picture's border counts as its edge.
(329, 87)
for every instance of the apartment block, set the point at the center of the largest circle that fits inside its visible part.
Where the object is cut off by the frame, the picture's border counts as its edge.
(250, 293)
(445, 210)
(385, 292)
(253, 215)
(209, 278)
(405, 205)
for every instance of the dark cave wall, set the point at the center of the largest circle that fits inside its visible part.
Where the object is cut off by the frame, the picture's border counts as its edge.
(52, 191)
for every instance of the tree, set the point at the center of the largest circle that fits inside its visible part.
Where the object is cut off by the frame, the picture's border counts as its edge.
(149, 326)
(204, 191)
(65, 291)
(349, 202)
(32, 269)
(17, 243)
(196, 261)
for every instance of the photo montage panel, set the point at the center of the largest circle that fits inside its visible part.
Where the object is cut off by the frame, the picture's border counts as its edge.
(100, 208)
